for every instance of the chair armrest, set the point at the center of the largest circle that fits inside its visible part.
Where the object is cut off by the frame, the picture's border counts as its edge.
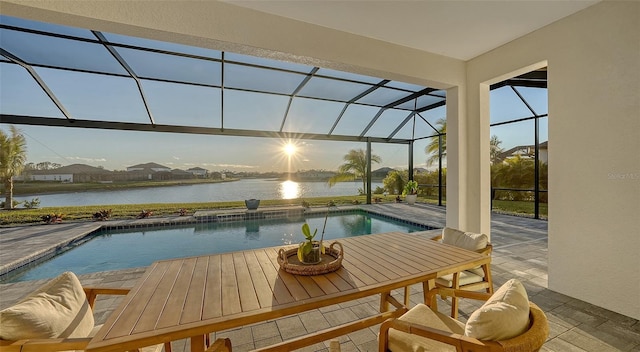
(93, 292)
(44, 345)
(486, 250)
(450, 292)
(220, 345)
(461, 342)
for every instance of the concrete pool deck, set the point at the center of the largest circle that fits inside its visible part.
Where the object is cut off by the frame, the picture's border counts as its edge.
(520, 251)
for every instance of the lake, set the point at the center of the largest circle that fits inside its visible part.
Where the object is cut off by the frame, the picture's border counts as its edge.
(206, 192)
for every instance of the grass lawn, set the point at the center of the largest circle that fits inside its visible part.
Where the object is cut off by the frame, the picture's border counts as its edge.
(21, 216)
(130, 211)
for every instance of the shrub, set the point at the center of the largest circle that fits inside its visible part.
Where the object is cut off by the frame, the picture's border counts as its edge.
(32, 204)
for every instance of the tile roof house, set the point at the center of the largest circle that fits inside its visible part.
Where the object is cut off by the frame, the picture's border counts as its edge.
(526, 151)
(150, 166)
(71, 173)
(198, 171)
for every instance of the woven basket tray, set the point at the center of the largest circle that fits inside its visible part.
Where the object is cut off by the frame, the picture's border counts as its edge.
(331, 261)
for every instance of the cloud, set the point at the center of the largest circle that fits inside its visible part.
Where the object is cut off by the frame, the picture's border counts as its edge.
(236, 166)
(86, 160)
(176, 157)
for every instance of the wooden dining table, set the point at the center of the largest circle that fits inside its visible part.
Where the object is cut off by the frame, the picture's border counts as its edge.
(192, 297)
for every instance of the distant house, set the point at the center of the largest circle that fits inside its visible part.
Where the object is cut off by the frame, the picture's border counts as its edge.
(150, 166)
(381, 173)
(71, 173)
(526, 152)
(148, 171)
(177, 174)
(198, 171)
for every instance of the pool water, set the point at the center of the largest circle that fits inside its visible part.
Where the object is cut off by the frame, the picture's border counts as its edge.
(111, 250)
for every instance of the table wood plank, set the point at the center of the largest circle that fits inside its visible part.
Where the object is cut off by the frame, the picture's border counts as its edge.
(309, 285)
(135, 306)
(263, 290)
(230, 295)
(365, 263)
(246, 288)
(338, 282)
(213, 290)
(281, 294)
(194, 301)
(406, 257)
(286, 280)
(157, 302)
(383, 260)
(178, 294)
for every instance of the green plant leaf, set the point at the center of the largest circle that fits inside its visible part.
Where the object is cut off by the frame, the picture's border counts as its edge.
(307, 247)
(306, 231)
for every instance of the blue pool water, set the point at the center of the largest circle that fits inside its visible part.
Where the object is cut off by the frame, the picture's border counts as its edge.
(111, 250)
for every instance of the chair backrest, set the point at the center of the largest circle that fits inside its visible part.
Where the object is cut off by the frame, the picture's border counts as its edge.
(533, 339)
(57, 309)
(466, 240)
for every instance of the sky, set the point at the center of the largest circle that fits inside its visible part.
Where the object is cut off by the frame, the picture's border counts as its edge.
(116, 150)
(109, 98)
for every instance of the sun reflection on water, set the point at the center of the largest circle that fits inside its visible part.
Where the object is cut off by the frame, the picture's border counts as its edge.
(289, 190)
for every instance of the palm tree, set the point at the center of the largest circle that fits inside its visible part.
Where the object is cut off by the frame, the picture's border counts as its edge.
(355, 166)
(434, 146)
(494, 149)
(13, 154)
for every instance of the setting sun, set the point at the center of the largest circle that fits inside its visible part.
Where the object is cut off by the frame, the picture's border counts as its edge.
(289, 149)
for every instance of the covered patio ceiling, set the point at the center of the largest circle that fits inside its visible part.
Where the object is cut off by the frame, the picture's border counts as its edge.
(55, 75)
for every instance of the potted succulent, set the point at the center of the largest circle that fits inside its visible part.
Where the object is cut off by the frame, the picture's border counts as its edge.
(411, 191)
(309, 251)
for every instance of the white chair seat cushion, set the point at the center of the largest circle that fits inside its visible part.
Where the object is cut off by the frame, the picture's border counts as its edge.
(58, 309)
(504, 316)
(423, 315)
(466, 240)
(465, 278)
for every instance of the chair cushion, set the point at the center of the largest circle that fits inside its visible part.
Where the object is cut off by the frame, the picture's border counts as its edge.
(465, 278)
(466, 240)
(423, 315)
(57, 309)
(504, 316)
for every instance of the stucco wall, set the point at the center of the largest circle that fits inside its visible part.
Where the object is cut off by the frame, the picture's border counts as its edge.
(594, 142)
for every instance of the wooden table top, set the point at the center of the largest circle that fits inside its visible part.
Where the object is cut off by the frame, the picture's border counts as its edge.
(193, 296)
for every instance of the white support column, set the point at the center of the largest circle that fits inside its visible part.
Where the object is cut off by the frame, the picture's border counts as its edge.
(456, 158)
(468, 167)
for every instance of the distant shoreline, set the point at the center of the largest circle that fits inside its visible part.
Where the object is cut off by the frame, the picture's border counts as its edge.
(36, 188)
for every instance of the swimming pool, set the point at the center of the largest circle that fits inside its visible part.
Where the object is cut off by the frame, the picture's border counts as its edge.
(131, 248)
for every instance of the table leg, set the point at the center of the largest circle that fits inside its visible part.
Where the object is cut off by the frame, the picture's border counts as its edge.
(384, 301)
(407, 295)
(426, 287)
(197, 343)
